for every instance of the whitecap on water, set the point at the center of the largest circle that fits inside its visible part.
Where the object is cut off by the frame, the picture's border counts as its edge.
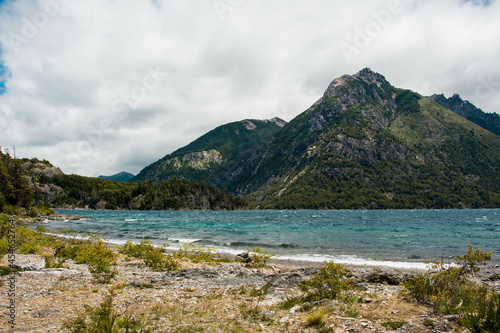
(183, 240)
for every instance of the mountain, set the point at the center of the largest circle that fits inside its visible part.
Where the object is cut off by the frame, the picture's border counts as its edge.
(119, 177)
(217, 157)
(363, 144)
(489, 121)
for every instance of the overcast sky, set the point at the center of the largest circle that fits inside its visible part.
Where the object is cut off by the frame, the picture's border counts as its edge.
(101, 86)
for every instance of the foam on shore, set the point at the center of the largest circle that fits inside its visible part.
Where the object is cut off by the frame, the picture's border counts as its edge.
(296, 258)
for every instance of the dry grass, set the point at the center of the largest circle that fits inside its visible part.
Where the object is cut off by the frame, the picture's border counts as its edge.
(45, 301)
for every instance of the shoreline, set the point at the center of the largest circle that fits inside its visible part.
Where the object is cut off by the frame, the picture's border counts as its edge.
(206, 295)
(214, 296)
(297, 260)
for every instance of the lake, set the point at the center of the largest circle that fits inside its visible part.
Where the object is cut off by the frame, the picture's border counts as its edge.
(398, 238)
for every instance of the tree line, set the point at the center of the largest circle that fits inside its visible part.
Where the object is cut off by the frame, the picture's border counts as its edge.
(20, 187)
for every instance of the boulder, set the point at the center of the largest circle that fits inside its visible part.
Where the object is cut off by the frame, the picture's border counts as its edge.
(243, 257)
(29, 262)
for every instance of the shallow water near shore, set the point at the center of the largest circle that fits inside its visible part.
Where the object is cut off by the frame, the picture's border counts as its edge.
(392, 238)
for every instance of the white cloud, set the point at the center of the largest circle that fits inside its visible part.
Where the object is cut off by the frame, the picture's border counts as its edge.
(73, 66)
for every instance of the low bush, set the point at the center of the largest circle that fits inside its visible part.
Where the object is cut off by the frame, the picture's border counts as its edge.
(200, 254)
(154, 257)
(4, 247)
(451, 291)
(394, 325)
(328, 283)
(316, 319)
(104, 319)
(259, 258)
(448, 287)
(486, 316)
(348, 308)
(92, 252)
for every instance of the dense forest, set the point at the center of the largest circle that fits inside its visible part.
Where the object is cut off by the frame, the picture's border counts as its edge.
(14, 187)
(30, 183)
(172, 194)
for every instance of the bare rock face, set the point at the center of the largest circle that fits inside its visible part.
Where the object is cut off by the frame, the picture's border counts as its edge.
(51, 191)
(278, 121)
(198, 160)
(35, 169)
(40, 168)
(249, 125)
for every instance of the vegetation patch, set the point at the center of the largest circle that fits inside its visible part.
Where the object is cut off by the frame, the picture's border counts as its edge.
(328, 283)
(449, 289)
(154, 257)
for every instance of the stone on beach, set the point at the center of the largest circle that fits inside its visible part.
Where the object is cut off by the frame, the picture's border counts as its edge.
(243, 257)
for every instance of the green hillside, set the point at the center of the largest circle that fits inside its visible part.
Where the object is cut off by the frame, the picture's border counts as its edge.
(364, 144)
(218, 157)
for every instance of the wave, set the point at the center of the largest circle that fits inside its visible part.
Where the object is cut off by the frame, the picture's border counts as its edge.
(251, 245)
(183, 240)
(355, 261)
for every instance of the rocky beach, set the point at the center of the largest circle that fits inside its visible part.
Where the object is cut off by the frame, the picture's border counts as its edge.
(221, 297)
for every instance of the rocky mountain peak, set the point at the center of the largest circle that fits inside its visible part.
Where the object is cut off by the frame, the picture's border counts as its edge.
(354, 84)
(370, 76)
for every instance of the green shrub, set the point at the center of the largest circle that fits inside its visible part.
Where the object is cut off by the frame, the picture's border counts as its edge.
(103, 319)
(4, 226)
(29, 248)
(52, 262)
(160, 262)
(259, 258)
(394, 325)
(450, 290)
(4, 270)
(485, 318)
(4, 247)
(95, 254)
(200, 254)
(348, 308)
(448, 287)
(139, 250)
(472, 260)
(290, 302)
(154, 257)
(328, 283)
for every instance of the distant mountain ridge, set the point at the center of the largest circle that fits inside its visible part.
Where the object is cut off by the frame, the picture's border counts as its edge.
(489, 121)
(119, 177)
(363, 144)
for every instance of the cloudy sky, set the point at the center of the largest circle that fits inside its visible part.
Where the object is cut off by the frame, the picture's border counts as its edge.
(101, 86)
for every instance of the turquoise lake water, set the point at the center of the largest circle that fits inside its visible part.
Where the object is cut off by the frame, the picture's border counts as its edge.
(396, 238)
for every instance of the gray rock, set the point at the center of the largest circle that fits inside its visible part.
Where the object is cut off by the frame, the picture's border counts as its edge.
(365, 300)
(35, 263)
(243, 257)
(334, 303)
